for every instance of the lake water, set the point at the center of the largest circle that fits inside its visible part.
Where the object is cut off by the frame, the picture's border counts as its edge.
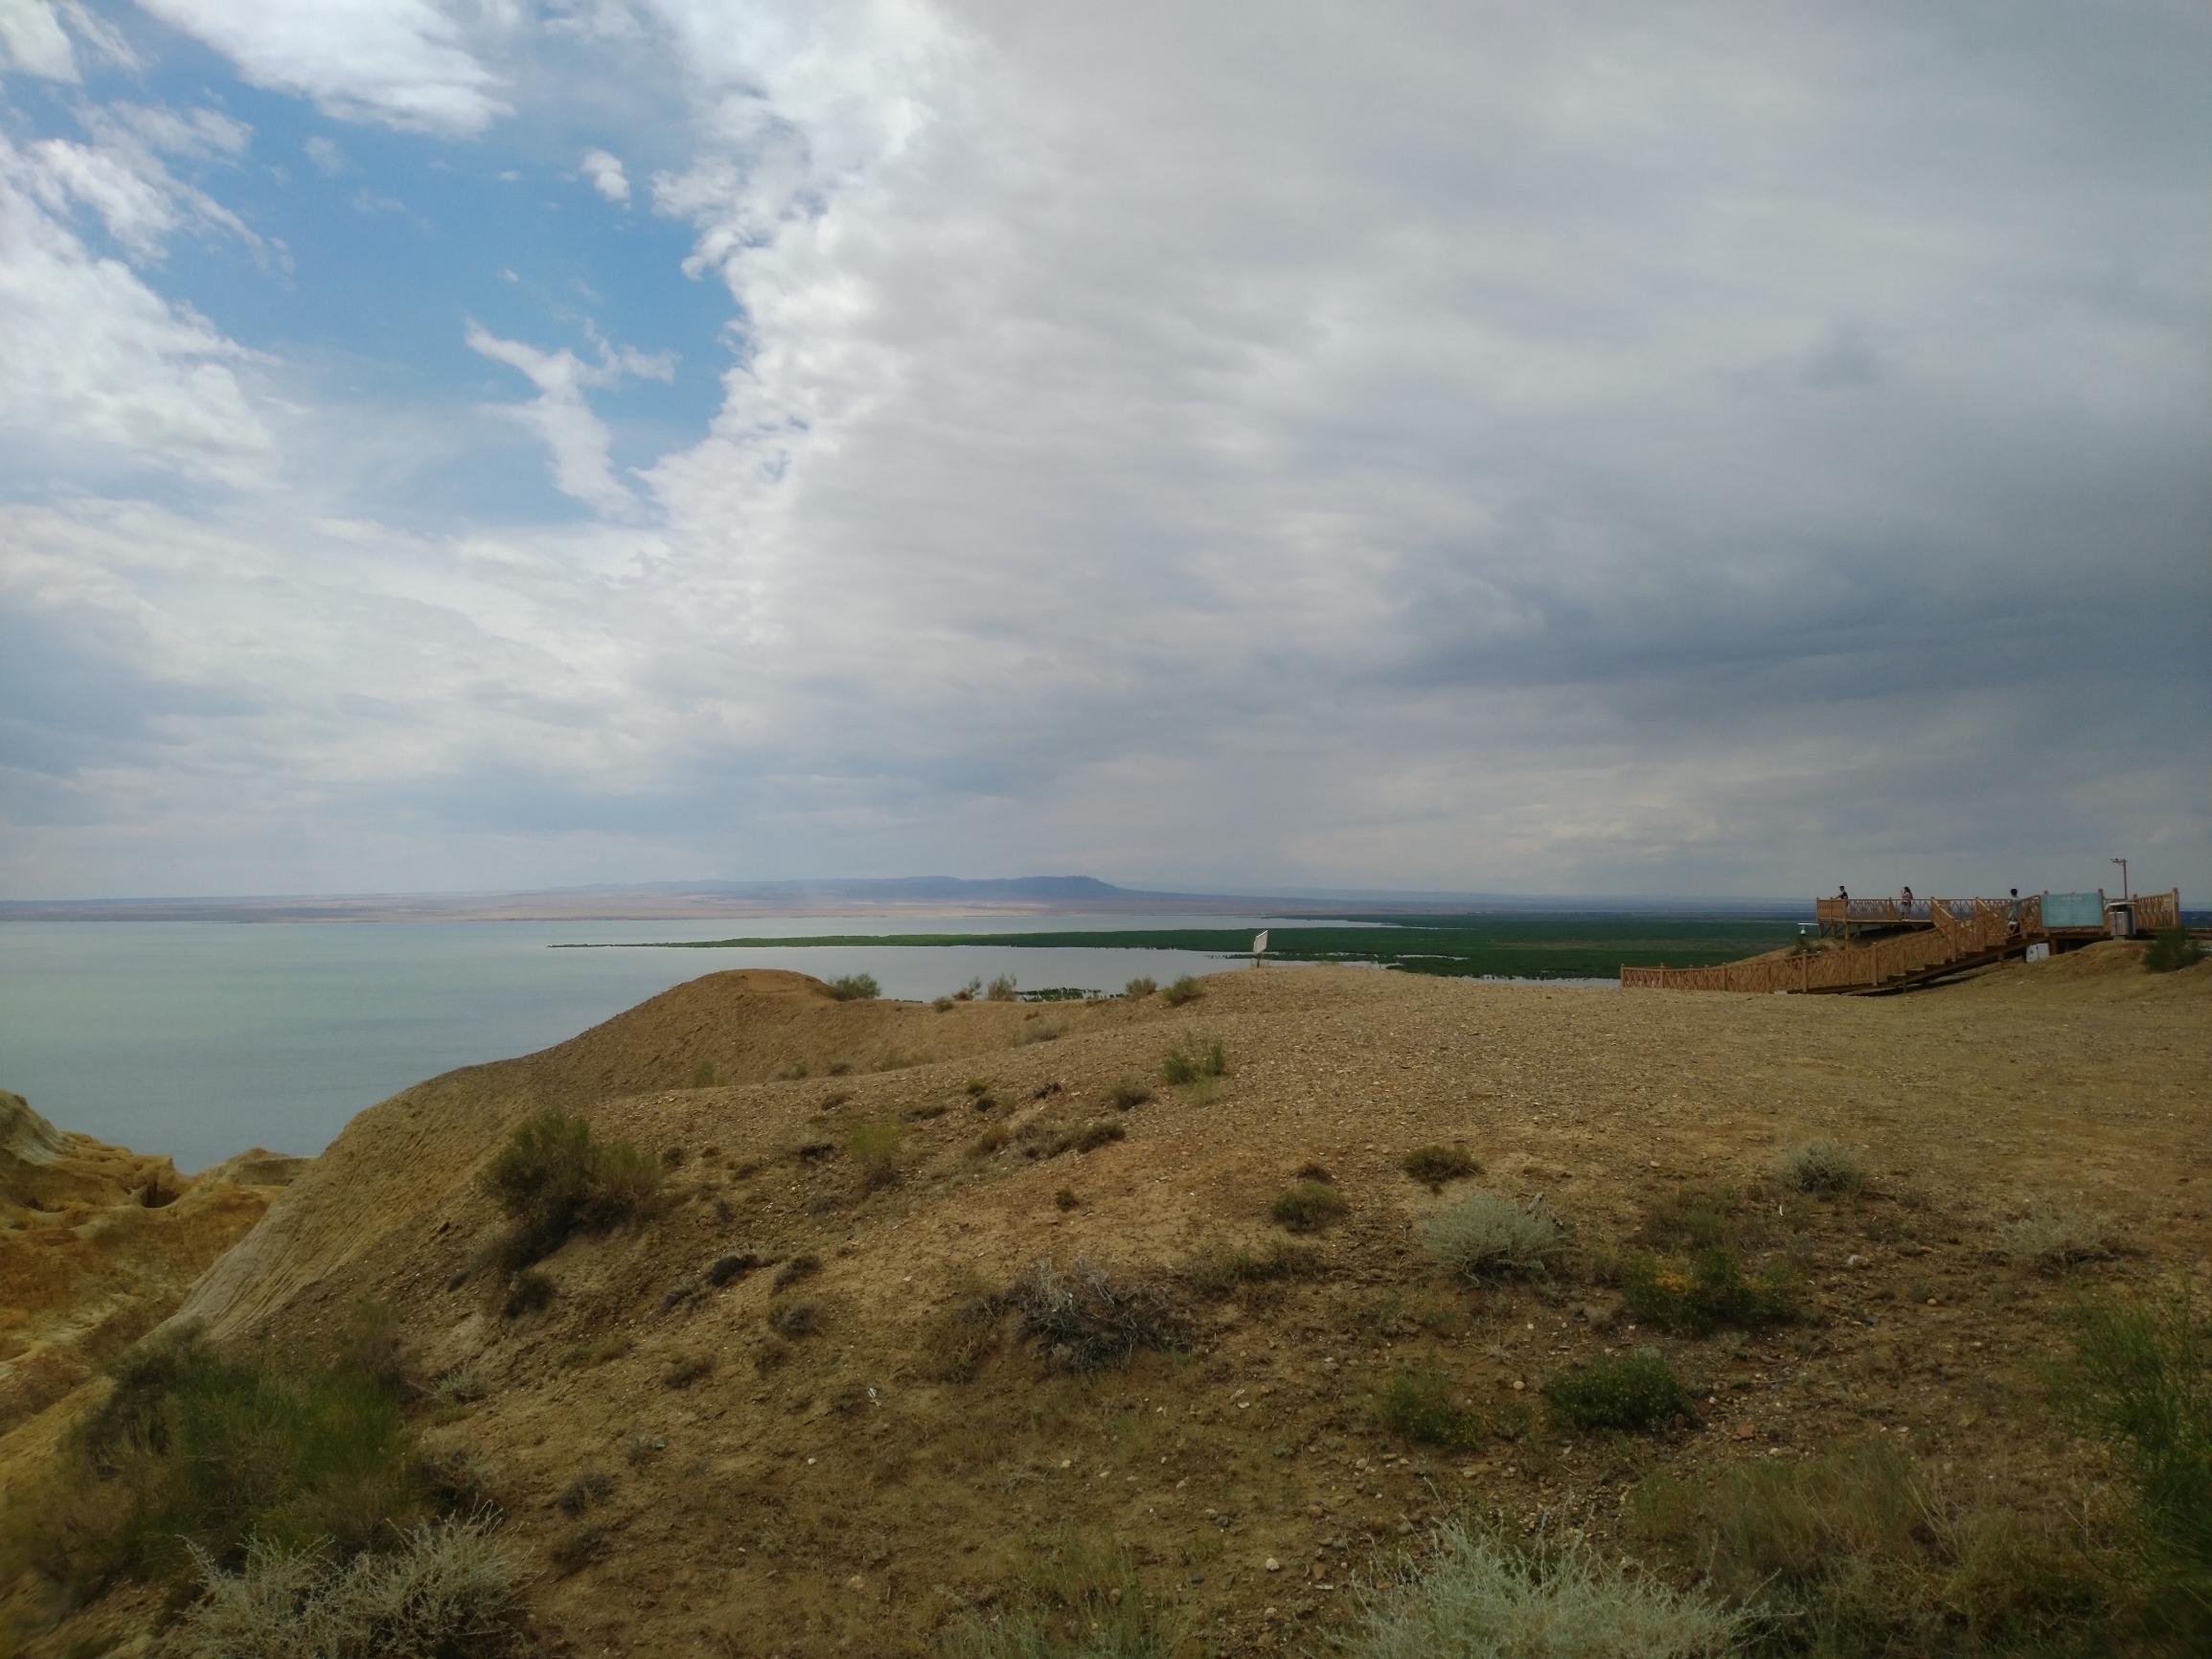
(199, 1039)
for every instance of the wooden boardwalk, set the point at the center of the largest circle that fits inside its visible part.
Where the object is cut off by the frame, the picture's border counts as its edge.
(1934, 940)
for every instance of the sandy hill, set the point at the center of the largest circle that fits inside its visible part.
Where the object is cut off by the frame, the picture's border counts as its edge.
(99, 1245)
(847, 1488)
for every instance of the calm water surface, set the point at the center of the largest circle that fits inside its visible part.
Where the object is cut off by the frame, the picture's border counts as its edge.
(200, 1038)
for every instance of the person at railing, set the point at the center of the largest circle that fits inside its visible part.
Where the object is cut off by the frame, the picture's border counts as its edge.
(2013, 915)
(1905, 902)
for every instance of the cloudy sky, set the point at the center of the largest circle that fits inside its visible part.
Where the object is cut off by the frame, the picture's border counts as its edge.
(1567, 449)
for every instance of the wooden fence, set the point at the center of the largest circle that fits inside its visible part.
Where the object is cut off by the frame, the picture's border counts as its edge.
(1957, 930)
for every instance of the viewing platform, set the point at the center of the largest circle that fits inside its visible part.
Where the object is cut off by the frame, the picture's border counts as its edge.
(1871, 946)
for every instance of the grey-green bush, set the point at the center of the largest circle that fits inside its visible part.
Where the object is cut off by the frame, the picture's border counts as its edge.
(1485, 1236)
(1824, 1167)
(1466, 1595)
(448, 1592)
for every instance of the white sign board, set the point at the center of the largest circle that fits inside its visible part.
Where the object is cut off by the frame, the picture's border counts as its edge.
(1260, 944)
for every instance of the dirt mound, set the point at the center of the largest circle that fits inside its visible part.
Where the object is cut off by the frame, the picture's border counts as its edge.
(99, 1243)
(792, 1413)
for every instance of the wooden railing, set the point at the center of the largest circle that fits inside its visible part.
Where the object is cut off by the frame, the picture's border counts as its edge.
(2155, 911)
(1958, 929)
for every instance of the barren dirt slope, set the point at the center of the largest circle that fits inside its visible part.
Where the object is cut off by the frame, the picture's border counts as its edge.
(843, 1491)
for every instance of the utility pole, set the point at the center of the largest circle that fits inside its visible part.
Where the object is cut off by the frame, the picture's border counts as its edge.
(2123, 864)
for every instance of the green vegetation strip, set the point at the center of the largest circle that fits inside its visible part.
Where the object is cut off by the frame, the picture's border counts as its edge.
(1457, 946)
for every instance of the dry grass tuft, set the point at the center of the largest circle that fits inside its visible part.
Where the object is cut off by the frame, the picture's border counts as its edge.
(874, 1149)
(448, 1592)
(1184, 990)
(1437, 1165)
(1082, 1320)
(2053, 1237)
(1825, 1167)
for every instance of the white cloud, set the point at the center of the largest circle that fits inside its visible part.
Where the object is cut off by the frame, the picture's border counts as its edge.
(32, 39)
(398, 62)
(606, 175)
(96, 356)
(328, 158)
(575, 439)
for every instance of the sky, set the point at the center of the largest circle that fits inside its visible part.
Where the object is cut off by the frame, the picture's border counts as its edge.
(1588, 448)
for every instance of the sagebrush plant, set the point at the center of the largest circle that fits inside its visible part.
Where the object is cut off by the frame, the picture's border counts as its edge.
(1437, 1165)
(1488, 1236)
(1183, 989)
(1467, 1593)
(2171, 948)
(956, 1342)
(1710, 1290)
(1139, 988)
(1194, 1060)
(1082, 1320)
(2053, 1237)
(1630, 1394)
(1825, 1167)
(1306, 1206)
(874, 1149)
(448, 1591)
(1086, 1137)
(856, 987)
(1417, 1404)
(1001, 990)
(553, 1178)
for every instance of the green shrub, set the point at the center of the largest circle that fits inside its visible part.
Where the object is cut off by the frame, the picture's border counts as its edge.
(856, 987)
(551, 1179)
(1128, 1093)
(197, 1449)
(1710, 1292)
(874, 1148)
(1043, 1031)
(1633, 1393)
(1139, 988)
(1825, 1167)
(2054, 1238)
(1082, 1320)
(1001, 990)
(1485, 1236)
(1851, 1553)
(1307, 1207)
(1194, 1060)
(1693, 1219)
(1416, 1405)
(2171, 948)
(1184, 990)
(1469, 1594)
(448, 1591)
(1437, 1165)
(2139, 1377)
